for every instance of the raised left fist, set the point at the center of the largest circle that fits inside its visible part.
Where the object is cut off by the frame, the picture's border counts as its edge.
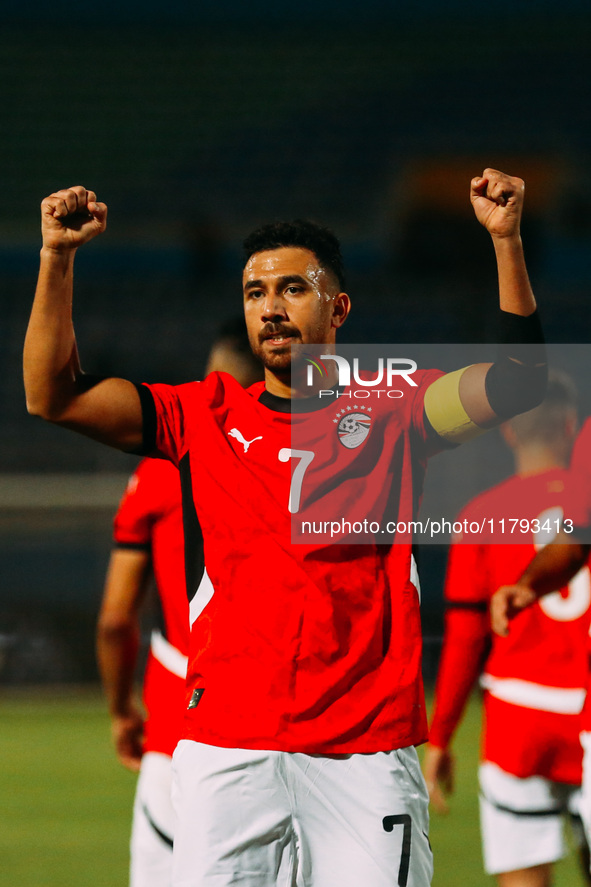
(498, 201)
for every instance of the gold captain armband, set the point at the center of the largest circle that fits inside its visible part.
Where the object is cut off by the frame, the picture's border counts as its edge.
(445, 410)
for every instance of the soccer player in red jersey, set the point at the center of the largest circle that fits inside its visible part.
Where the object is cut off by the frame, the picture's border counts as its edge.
(534, 681)
(553, 566)
(148, 535)
(304, 696)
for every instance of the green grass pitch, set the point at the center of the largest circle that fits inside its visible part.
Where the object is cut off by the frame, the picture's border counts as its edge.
(65, 803)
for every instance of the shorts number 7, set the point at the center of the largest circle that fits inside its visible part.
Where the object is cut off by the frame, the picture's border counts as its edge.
(405, 821)
(297, 478)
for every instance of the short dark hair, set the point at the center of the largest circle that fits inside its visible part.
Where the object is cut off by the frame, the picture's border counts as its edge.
(545, 424)
(301, 233)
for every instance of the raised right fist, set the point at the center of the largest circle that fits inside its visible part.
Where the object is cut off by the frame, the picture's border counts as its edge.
(70, 218)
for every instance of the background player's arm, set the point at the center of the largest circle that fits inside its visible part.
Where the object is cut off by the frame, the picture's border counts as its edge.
(462, 404)
(552, 568)
(117, 642)
(56, 388)
(465, 644)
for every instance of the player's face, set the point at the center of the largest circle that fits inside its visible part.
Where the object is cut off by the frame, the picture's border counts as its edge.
(289, 299)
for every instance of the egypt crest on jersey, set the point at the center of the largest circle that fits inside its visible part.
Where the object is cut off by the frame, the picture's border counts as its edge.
(300, 647)
(353, 427)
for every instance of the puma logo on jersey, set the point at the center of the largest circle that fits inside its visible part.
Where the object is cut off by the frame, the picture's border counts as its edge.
(239, 437)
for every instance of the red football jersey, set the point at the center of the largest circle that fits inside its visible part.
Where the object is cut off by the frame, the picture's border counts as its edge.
(578, 509)
(581, 455)
(313, 648)
(534, 679)
(150, 516)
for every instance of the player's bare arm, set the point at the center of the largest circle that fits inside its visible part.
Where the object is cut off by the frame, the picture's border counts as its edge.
(117, 645)
(459, 404)
(465, 644)
(107, 410)
(438, 770)
(553, 567)
(463, 652)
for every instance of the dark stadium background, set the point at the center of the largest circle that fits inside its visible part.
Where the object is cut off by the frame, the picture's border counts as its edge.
(197, 121)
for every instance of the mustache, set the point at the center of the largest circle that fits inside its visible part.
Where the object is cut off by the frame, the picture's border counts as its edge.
(270, 330)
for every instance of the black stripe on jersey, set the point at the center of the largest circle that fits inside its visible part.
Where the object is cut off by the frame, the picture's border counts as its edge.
(551, 811)
(162, 835)
(194, 558)
(149, 421)
(296, 404)
(480, 606)
(133, 546)
(279, 404)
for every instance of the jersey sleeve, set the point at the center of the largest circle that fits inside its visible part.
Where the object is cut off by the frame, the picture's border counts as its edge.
(133, 521)
(467, 578)
(578, 485)
(164, 424)
(581, 454)
(465, 640)
(577, 502)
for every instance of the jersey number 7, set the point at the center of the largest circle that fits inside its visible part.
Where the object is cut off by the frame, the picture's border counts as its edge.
(297, 477)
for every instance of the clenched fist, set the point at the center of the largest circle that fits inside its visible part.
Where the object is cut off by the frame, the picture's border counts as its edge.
(498, 201)
(70, 218)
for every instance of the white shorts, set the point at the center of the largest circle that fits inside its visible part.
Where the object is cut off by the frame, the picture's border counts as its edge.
(522, 820)
(153, 824)
(277, 819)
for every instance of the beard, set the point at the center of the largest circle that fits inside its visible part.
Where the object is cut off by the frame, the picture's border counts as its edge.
(278, 358)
